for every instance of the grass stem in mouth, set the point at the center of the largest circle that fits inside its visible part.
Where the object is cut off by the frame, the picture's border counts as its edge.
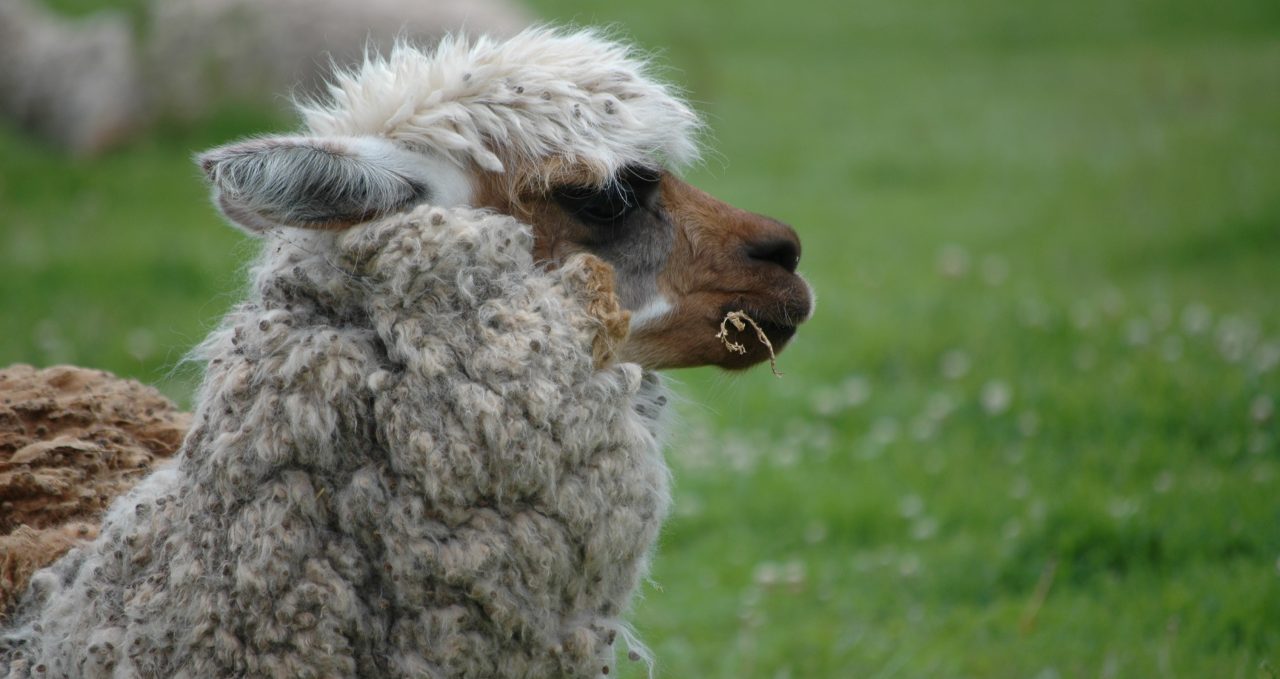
(737, 318)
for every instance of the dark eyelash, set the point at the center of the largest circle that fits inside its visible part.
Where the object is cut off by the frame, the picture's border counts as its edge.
(610, 204)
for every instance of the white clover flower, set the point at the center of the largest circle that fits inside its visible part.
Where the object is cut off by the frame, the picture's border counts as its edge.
(996, 397)
(1196, 319)
(911, 506)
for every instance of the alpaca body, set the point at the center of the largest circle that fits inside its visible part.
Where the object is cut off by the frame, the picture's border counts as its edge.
(405, 462)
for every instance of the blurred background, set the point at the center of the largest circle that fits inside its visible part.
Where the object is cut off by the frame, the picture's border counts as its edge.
(1031, 430)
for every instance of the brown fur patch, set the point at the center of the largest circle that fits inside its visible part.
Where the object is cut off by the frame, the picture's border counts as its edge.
(27, 550)
(71, 441)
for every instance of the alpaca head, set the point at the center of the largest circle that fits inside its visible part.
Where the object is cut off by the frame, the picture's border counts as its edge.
(566, 132)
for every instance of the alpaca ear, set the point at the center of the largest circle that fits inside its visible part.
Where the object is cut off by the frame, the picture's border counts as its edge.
(325, 182)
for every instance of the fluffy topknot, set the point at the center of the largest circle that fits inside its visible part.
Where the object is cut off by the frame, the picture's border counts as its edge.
(576, 96)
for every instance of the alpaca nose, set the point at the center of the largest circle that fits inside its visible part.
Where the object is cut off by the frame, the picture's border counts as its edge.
(781, 248)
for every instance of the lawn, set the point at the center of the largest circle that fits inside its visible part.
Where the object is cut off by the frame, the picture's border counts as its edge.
(1031, 430)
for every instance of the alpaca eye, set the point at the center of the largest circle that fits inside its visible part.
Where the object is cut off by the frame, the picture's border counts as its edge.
(598, 206)
(607, 205)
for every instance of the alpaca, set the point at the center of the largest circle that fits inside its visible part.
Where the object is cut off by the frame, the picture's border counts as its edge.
(427, 443)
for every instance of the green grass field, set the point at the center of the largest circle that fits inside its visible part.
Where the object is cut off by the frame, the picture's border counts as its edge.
(1031, 430)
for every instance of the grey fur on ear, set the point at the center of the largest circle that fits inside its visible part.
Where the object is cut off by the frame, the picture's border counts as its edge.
(322, 182)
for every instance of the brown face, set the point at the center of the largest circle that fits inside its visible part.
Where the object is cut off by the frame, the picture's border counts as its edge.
(682, 260)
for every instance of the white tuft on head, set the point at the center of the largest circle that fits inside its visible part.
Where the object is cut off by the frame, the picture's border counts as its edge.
(543, 93)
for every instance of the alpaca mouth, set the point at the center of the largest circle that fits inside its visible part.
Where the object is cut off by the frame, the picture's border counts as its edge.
(777, 321)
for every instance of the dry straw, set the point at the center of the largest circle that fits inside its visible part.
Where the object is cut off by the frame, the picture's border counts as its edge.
(737, 318)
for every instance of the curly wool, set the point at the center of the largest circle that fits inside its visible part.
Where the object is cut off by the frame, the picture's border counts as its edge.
(404, 462)
(575, 96)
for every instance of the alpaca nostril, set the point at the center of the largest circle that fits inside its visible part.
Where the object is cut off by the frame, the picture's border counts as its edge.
(784, 253)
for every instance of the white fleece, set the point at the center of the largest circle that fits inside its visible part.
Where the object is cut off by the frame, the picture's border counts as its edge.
(403, 463)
